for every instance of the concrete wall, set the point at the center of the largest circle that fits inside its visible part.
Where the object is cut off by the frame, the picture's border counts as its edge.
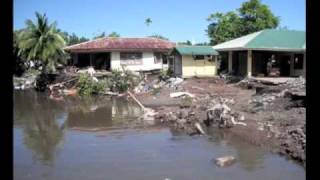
(200, 68)
(147, 62)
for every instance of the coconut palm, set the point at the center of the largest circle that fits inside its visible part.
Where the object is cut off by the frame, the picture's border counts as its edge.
(40, 41)
(148, 21)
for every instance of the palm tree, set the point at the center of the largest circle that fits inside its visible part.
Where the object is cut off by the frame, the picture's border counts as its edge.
(41, 41)
(148, 21)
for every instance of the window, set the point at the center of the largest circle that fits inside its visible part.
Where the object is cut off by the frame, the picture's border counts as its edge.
(298, 61)
(131, 58)
(164, 59)
(198, 57)
(157, 58)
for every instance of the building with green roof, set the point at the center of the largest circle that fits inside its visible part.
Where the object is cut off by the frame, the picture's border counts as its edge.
(191, 61)
(268, 52)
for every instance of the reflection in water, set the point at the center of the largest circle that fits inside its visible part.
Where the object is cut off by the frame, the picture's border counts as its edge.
(37, 116)
(40, 118)
(92, 113)
(249, 156)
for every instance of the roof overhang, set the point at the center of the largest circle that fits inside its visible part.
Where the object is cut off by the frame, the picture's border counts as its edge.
(115, 50)
(262, 49)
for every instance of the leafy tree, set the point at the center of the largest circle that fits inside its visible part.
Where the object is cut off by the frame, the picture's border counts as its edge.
(185, 43)
(74, 39)
(19, 67)
(202, 44)
(159, 37)
(252, 16)
(114, 34)
(42, 42)
(148, 21)
(103, 34)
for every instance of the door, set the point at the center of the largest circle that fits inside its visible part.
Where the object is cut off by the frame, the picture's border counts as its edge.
(285, 65)
(178, 65)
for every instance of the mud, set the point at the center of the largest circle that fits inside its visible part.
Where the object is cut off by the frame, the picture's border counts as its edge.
(273, 119)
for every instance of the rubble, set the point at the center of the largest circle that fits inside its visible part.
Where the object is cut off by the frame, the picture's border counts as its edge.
(222, 115)
(179, 94)
(225, 161)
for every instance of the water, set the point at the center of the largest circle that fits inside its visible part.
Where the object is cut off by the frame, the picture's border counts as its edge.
(103, 138)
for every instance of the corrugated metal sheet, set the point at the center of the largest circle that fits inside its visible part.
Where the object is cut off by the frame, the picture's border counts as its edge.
(105, 44)
(269, 39)
(196, 50)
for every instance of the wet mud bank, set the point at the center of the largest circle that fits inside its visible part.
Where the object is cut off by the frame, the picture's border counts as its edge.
(267, 114)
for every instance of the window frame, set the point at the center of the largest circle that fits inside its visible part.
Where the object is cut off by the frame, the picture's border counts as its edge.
(157, 58)
(126, 58)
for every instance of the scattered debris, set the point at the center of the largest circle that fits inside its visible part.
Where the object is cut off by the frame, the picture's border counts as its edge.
(199, 128)
(222, 115)
(179, 94)
(225, 161)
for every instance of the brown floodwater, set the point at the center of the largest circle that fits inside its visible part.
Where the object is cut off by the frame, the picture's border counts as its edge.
(104, 138)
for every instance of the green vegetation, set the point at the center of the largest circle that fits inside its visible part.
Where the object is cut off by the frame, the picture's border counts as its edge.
(122, 81)
(103, 34)
(159, 36)
(114, 34)
(40, 41)
(148, 21)
(252, 16)
(188, 43)
(165, 74)
(87, 86)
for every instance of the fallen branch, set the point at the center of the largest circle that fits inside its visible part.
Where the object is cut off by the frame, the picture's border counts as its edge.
(134, 98)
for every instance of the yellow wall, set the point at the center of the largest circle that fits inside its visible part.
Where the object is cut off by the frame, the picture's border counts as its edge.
(200, 68)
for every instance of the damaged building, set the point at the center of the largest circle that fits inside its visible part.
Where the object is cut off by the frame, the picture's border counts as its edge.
(266, 53)
(110, 53)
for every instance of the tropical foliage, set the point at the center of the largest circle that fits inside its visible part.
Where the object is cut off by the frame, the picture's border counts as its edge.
(148, 21)
(40, 41)
(87, 86)
(159, 36)
(114, 34)
(252, 16)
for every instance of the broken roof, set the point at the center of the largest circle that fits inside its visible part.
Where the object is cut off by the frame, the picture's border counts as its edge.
(269, 39)
(122, 44)
(196, 50)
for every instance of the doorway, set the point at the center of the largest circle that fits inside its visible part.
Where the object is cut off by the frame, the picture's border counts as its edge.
(285, 65)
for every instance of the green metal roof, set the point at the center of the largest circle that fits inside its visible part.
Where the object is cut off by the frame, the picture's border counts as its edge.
(269, 39)
(196, 50)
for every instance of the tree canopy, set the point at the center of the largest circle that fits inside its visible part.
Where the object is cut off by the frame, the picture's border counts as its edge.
(114, 34)
(148, 21)
(103, 34)
(252, 16)
(159, 36)
(41, 41)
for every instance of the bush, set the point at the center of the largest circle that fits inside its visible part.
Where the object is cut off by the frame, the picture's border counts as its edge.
(165, 74)
(87, 86)
(43, 80)
(122, 81)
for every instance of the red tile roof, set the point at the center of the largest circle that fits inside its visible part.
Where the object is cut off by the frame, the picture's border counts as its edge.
(122, 44)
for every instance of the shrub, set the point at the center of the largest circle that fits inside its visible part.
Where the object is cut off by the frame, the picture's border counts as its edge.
(87, 86)
(122, 81)
(165, 74)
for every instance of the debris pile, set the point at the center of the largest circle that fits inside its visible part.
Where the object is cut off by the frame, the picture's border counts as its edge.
(24, 82)
(293, 143)
(225, 161)
(220, 114)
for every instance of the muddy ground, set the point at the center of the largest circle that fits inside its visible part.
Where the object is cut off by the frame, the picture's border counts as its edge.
(277, 124)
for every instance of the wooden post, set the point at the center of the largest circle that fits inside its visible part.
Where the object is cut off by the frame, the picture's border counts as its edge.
(230, 62)
(90, 59)
(292, 64)
(249, 63)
